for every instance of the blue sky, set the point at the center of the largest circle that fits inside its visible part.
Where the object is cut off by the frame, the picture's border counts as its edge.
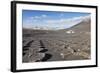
(51, 19)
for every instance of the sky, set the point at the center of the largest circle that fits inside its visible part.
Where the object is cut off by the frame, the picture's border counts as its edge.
(51, 19)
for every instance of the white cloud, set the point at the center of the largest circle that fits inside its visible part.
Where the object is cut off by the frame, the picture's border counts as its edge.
(64, 20)
(74, 19)
(35, 17)
(57, 23)
(44, 15)
(61, 14)
(38, 17)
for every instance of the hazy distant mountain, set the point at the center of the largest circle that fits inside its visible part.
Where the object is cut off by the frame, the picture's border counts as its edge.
(83, 26)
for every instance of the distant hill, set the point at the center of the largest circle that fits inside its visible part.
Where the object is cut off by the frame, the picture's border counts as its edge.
(83, 26)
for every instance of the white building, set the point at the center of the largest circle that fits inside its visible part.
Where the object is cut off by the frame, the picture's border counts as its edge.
(70, 31)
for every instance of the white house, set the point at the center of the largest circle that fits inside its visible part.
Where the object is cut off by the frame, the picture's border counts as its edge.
(70, 31)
